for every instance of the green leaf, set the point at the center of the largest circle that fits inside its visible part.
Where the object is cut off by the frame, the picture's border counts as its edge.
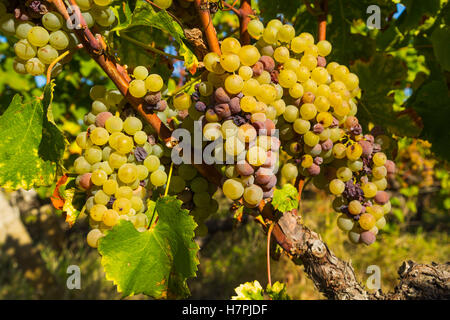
(432, 103)
(145, 16)
(249, 291)
(277, 291)
(285, 199)
(32, 146)
(441, 46)
(377, 78)
(415, 12)
(156, 262)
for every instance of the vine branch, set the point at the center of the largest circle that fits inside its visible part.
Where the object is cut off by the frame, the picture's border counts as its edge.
(244, 18)
(202, 8)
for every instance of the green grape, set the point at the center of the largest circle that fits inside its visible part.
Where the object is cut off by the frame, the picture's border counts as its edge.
(52, 21)
(132, 125)
(212, 131)
(47, 54)
(296, 91)
(324, 48)
(124, 144)
(137, 88)
(177, 184)
(99, 106)
(142, 172)
(245, 72)
(234, 84)
(281, 54)
(311, 139)
(354, 151)
(255, 28)
(230, 62)
(116, 160)
(99, 136)
(152, 163)
(253, 195)
(124, 192)
(157, 150)
(376, 210)
(122, 205)
(291, 113)
(367, 221)
(114, 124)
(110, 187)
(81, 165)
(308, 111)
(84, 4)
(379, 159)
(287, 78)
(163, 4)
(8, 24)
(127, 173)
(286, 33)
(140, 137)
(199, 184)
(110, 218)
(380, 223)
(136, 203)
(99, 177)
(301, 126)
(19, 66)
(249, 55)
(369, 189)
(187, 172)
(289, 171)
(309, 61)
(35, 67)
(319, 75)
(93, 237)
(158, 178)
(154, 83)
(97, 92)
(336, 186)
(88, 18)
(379, 172)
(206, 88)
(299, 44)
(101, 198)
(93, 155)
(229, 129)
(345, 223)
(24, 50)
(182, 101)
(279, 105)
(380, 183)
(202, 199)
(270, 35)
(264, 78)
(212, 63)
(97, 212)
(233, 189)
(59, 40)
(234, 146)
(38, 36)
(23, 28)
(354, 207)
(344, 174)
(230, 45)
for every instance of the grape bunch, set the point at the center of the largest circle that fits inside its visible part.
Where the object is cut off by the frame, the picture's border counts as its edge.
(283, 84)
(119, 167)
(43, 36)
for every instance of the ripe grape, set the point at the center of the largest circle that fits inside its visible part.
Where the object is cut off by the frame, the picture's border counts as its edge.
(93, 237)
(38, 36)
(233, 189)
(158, 178)
(255, 28)
(35, 67)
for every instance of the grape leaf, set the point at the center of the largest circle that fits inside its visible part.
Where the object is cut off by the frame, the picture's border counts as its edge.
(285, 199)
(156, 262)
(377, 78)
(145, 15)
(32, 146)
(432, 103)
(441, 40)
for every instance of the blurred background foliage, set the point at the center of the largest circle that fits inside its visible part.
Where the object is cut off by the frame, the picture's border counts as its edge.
(404, 73)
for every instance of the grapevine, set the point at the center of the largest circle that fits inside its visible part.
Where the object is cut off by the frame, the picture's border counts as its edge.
(259, 117)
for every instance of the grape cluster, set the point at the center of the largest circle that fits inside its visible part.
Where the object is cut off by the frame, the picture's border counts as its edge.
(283, 83)
(42, 39)
(119, 166)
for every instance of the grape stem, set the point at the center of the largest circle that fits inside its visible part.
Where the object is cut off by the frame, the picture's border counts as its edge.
(323, 20)
(244, 19)
(149, 47)
(269, 233)
(231, 7)
(202, 8)
(59, 58)
(168, 179)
